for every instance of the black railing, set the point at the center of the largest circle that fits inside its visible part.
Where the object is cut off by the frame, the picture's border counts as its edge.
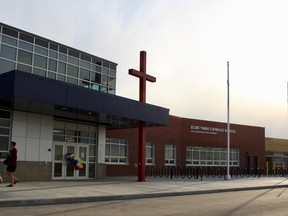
(213, 172)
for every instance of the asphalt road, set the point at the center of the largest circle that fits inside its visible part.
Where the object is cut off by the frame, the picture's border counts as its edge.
(259, 202)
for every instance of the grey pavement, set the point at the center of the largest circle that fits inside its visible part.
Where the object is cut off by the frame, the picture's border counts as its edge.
(123, 188)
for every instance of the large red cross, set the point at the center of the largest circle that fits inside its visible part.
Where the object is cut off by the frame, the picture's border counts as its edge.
(143, 77)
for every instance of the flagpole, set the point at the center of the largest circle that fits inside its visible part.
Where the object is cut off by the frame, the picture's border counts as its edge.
(228, 177)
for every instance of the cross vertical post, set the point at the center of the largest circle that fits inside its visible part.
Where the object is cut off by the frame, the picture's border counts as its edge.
(143, 77)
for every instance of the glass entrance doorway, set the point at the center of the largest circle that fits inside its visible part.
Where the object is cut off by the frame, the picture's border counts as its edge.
(78, 140)
(65, 169)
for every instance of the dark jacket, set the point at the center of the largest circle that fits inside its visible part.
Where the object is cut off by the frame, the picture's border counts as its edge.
(12, 157)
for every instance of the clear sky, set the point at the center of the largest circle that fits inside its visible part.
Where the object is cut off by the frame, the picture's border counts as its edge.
(188, 44)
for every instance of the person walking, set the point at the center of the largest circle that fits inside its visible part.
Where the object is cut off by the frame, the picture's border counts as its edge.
(11, 162)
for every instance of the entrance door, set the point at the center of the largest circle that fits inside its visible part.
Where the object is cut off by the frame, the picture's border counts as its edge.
(69, 168)
(64, 169)
(58, 160)
(83, 155)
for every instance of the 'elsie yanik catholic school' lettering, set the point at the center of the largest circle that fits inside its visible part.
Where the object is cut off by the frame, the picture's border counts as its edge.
(209, 130)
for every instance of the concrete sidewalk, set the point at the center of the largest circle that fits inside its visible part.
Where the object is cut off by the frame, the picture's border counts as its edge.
(121, 188)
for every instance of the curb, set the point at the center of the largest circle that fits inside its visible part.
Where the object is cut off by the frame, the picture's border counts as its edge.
(59, 201)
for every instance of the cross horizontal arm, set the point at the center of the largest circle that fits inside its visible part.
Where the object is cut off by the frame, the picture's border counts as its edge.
(142, 75)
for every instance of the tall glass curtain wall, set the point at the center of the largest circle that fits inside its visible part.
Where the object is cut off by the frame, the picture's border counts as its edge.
(32, 54)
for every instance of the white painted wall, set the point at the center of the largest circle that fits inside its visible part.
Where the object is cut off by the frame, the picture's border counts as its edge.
(33, 134)
(101, 144)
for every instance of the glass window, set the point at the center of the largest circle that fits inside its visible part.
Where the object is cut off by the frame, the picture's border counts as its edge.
(62, 57)
(63, 50)
(83, 133)
(23, 68)
(83, 140)
(106, 64)
(4, 122)
(27, 38)
(61, 78)
(87, 58)
(4, 142)
(84, 74)
(5, 115)
(195, 154)
(112, 73)
(98, 69)
(202, 155)
(62, 67)
(223, 155)
(96, 77)
(72, 81)
(40, 61)
(57, 172)
(71, 136)
(41, 50)
(6, 66)
(39, 72)
(73, 53)
(58, 152)
(26, 46)
(84, 83)
(9, 40)
(25, 57)
(72, 71)
(95, 86)
(92, 151)
(92, 135)
(122, 150)
(113, 66)
(112, 82)
(83, 137)
(210, 156)
(170, 155)
(5, 131)
(51, 75)
(10, 32)
(216, 154)
(53, 46)
(52, 65)
(97, 61)
(85, 64)
(112, 91)
(41, 42)
(53, 54)
(72, 60)
(104, 89)
(92, 170)
(105, 71)
(105, 80)
(116, 151)
(8, 52)
(149, 154)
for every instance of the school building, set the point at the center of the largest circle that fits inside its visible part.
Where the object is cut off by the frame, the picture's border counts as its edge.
(59, 105)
